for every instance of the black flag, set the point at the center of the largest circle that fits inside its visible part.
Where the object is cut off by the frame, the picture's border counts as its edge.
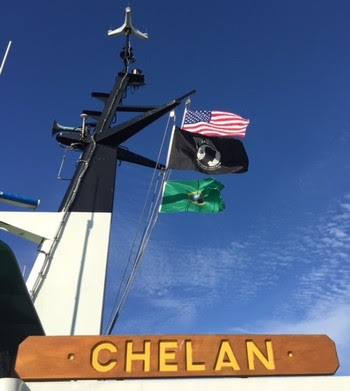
(210, 155)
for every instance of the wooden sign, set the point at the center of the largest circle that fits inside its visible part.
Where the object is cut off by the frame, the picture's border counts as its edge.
(164, 356)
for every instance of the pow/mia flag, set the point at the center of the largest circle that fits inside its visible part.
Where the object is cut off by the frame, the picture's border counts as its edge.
(210, 155)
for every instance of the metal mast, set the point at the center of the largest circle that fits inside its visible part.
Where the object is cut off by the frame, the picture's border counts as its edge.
(67, 282)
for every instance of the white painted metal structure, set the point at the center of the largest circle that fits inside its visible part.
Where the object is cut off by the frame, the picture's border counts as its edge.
(319, 383)
(74, 268)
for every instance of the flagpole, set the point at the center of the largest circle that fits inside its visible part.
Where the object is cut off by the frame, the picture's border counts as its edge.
(166, 174)
(188, 102)
(5, 56)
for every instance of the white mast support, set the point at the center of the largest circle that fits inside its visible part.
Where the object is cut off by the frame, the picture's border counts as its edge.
(5, 56)
(75, 266)
(77, 269)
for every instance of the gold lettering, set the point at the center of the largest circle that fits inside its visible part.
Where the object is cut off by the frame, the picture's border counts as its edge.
(95, 362)
(190, 365)
(225, 349)
(143, 356)
(253, 350)
(165, 355)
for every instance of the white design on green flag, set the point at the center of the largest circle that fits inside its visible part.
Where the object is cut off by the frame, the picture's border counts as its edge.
(193, 196)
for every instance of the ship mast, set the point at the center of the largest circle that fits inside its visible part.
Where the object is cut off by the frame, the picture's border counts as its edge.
(67, 281)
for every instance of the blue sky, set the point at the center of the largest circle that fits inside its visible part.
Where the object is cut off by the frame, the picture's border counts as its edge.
(277, 260)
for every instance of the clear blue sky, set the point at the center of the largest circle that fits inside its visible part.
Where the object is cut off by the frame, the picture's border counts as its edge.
(277, 260)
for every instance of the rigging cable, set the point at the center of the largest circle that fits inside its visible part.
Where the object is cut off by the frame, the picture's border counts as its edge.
(153, 217)
(144, 239)
(142, 246)
(166, 176)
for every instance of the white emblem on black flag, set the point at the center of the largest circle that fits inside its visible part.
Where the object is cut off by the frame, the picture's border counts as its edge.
(210, 155)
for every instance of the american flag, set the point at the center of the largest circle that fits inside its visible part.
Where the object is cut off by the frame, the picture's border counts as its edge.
(215, 123)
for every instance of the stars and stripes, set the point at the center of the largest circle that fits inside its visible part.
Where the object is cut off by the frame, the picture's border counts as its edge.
(215, 123)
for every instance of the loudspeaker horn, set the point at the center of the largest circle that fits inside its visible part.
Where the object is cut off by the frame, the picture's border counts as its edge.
(57, 128)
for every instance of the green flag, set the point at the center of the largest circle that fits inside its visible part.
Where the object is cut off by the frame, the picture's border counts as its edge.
(193, 196)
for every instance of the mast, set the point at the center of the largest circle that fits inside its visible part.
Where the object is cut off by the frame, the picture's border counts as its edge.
(67, 281)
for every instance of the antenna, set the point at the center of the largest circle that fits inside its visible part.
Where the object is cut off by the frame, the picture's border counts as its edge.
(5, 56)
(127, 29)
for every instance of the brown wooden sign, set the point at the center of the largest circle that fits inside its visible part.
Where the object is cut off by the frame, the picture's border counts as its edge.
(152, 356)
